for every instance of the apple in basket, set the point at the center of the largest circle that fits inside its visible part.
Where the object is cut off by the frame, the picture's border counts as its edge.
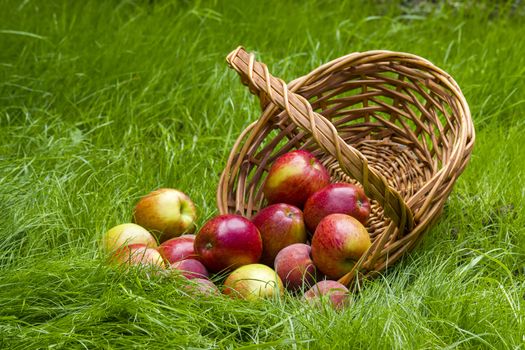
(178, 248)
(227, 242)
(332, 292)
(280, 225)
(293, 177)
(137, 255)
(190, 268)
(253, 282)
(338, 243)
(166, 212)
(342, 198)
(295, 267)
(126, 234)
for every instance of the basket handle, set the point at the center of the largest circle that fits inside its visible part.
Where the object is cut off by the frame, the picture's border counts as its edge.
(256, 76)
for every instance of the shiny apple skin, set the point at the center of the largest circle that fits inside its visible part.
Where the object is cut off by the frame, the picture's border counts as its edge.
(227, 242)
(337, 294)
(280, 225)
(338, 243)
(178, 248)
(337, 198)
(295, 266)
(166, 212)
(137, 255)
(126, 234)
(190, 268)
(293, 177)
(252, 282)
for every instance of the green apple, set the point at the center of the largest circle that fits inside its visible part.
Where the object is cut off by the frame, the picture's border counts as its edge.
(166, 212)
(252, 282)
(126, 234)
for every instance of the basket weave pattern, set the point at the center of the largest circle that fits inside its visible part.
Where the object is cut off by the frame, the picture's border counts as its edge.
(390, 122)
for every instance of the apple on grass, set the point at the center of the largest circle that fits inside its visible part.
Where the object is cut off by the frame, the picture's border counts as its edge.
(293, 177)
(227, 242)
(295, 267)
(338, 243)
(126, 234)
(336, 294)
(137, 255)
(280, 225)
(199, 287)
(178, 248)
(342, 198)
(166, 212)
(252, 282)
(190, 268)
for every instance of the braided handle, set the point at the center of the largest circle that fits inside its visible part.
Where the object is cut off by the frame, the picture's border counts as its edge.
(261, 83)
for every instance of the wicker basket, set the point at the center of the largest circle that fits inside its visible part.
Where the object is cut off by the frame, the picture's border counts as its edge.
(391, 122)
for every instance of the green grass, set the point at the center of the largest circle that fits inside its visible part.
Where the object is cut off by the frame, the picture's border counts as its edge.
(104, 101)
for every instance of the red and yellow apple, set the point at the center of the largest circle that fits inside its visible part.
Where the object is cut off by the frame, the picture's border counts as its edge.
(338, 243)
(178, 248)
(293, 177)
(126, 234)
(342, 198)
(227, 242)
(254, 281)
(166, 212)
(280, 225)
(200, 287)
(137, 255)
(295, 267)
(333, 292)
(190, 268)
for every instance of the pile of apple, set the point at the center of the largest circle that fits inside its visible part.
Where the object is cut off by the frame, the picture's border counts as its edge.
(311, 233)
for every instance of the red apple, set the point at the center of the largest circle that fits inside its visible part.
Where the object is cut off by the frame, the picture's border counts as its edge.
(294, 177)
(280, 225)
(338, 243)
(253, 282)
(295, 266)
(190, 268)
(166, 212)
(335, 198)
(336, 294)
(201, 287)
(137, 255)
(126, 234)
(178, 248)
(228, 241)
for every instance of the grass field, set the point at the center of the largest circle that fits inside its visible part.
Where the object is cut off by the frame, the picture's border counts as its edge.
(104, 101)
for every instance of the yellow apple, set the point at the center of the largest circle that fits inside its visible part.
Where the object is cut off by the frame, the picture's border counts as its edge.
(252, 282)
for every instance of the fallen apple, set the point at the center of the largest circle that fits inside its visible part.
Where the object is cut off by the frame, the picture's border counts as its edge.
(293, 177)
(126, 234)
(333, 292)
(137, 255)
(190, 268)
(227, 242)
(166, 212)
(342, 198)
(280, 225)
(338, 243)
(201, 287)
(295, 267)
(178, 248)
(254, 281)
